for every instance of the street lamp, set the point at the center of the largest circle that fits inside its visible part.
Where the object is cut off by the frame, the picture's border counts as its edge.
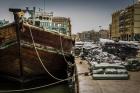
(100, 27)
(99, 31)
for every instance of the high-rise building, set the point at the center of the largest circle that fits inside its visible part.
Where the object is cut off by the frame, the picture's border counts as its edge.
(115, 25)
(126, 23)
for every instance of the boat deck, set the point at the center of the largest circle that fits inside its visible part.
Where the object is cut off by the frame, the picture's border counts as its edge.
(88, 85)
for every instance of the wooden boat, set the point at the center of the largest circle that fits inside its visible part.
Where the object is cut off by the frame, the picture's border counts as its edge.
(28, 52)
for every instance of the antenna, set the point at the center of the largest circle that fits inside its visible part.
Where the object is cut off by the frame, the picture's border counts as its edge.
(133, 2)
(44, 6)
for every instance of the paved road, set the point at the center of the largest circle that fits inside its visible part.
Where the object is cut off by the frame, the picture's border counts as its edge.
(88, 85)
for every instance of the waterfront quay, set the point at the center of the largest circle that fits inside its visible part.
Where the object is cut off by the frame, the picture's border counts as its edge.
(89, 85)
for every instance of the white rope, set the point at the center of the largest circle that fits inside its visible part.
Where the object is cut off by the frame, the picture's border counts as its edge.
(40, 60)
(34, 88)
(29, 89)
(63, 51)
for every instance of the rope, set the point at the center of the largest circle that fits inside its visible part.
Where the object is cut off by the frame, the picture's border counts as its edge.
(40, 60)
(63, 51)
(59, 80)
(35, 88)
(29, 89)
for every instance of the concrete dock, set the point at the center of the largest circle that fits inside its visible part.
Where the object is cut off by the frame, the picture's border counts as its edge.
(88, 85)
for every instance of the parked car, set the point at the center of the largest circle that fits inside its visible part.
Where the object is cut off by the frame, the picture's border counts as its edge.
(133, 64)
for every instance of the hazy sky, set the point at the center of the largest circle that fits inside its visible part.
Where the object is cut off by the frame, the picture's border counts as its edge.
(84, 14)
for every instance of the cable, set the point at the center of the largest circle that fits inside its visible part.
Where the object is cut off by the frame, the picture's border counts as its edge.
(34, 88)
(29, 89)
(63, 51)
(40, 60)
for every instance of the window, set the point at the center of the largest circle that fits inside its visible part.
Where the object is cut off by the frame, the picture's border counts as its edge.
(37, 23)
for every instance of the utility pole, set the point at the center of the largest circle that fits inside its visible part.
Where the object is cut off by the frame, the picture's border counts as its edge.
(133, 20)
(100, 27)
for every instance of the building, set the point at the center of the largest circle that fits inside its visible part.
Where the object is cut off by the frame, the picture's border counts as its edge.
(75, 37)
(93, 36)
(3, 22)
(115, 25)
(126, 23)
(89, 36)
(64, 24)
(47, 21)
(104, 34)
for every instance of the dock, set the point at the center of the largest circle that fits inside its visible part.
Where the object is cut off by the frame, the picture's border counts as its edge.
(88, 85)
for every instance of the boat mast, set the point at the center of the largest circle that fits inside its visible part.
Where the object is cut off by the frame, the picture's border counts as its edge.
(17, 24)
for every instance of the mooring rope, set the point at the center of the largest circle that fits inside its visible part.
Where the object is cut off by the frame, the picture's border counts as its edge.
(34, 88)
(63, 51)
(40, 60)
(43, 86)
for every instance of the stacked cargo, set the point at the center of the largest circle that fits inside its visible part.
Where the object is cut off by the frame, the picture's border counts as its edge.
(109, 71)
(106, 66)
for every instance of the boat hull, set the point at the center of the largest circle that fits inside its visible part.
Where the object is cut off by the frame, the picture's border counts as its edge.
(53, 55)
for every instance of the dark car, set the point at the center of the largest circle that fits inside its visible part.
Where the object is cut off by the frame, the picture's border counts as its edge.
(133, 65)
